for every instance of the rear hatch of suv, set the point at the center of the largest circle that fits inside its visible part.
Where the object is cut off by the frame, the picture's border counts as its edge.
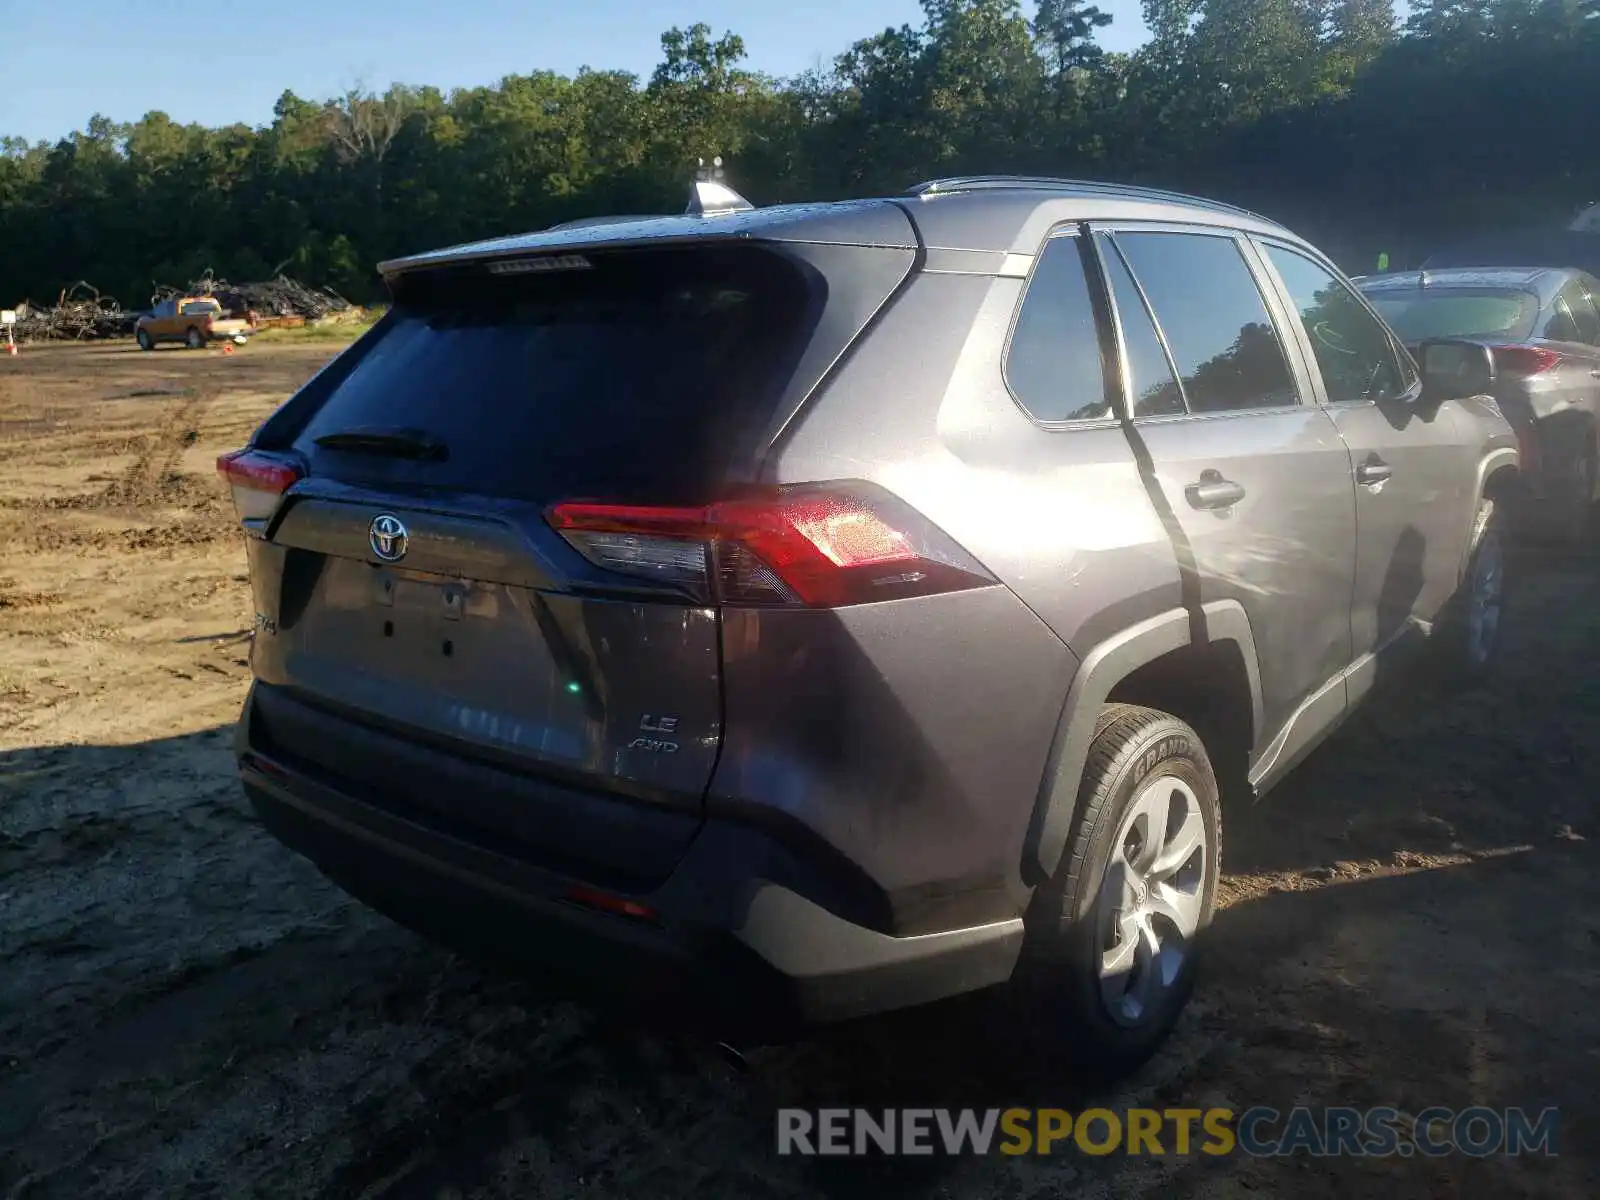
(428, 639)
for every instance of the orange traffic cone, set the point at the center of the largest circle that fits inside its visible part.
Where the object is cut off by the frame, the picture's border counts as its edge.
(11, 349)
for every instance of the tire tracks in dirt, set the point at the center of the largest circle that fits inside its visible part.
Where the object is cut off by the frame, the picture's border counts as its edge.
(149, 480)
(152, 479)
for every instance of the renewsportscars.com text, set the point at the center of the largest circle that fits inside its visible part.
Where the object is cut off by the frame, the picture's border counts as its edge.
(1258, 1132)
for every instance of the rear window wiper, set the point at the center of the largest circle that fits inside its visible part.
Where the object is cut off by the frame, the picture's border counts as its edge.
(388, 440)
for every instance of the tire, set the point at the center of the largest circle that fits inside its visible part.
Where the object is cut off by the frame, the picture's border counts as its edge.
(1106, 905)
(1467, 639)
(194, 339)
(143, 338)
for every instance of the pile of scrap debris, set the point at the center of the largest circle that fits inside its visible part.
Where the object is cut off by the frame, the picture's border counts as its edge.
(80, 312)
(281, 301)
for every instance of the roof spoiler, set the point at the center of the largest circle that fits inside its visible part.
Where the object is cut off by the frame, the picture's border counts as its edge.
(710, 196)
(590, 222)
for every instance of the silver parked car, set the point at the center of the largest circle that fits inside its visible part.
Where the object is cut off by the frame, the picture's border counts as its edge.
(1544, 326)
(818, 610)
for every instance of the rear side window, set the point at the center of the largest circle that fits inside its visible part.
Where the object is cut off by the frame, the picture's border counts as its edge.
(638, 378)
(1581, 311)
(1354, 351)
(1216, 323)
(1152, 387)
(1559, 323)
(1053, 364)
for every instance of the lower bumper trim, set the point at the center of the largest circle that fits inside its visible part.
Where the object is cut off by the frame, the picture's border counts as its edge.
(739, 954)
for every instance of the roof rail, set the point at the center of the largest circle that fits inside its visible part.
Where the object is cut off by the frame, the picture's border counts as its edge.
(980, 183)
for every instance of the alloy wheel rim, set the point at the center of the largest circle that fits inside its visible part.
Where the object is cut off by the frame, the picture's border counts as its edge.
(1151, 899)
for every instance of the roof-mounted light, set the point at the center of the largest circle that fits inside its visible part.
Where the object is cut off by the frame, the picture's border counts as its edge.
(541, 265)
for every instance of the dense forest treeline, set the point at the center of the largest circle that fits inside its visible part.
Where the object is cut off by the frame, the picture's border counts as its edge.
(1329, 115)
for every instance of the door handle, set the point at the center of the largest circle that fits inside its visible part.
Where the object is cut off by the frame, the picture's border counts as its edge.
(1213, 491)
(1373, 471)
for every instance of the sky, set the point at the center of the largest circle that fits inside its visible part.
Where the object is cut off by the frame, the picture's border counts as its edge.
(62, 61)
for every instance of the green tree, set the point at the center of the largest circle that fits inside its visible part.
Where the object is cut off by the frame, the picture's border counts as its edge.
(1318, 112)
(1064, 32)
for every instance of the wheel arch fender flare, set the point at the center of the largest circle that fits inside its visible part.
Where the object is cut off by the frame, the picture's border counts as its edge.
(1501, 459)
(1493, 462)
(1099, 673)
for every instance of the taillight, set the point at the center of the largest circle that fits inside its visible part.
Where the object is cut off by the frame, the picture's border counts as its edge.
(257, 479)
(820, 546)
(1523, 361)
(606, 902)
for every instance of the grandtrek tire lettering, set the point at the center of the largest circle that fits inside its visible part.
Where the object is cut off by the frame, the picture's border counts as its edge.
(1165, 748)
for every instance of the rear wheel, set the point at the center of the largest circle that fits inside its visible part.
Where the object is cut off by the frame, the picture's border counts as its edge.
(1468, 636)
(194, 339)
(144, 340)
(1114, 936)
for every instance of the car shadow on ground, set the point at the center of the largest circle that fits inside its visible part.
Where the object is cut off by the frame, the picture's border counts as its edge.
(1368, 993)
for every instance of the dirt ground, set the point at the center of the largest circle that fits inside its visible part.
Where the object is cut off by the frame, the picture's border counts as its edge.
(188, 1010)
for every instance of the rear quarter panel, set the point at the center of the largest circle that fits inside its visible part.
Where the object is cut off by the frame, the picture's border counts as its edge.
(914, 735)
(1562, 404)
(921, 407)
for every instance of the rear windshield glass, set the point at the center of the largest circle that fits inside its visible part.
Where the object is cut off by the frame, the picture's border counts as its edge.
(639, 378)
(1458, 313)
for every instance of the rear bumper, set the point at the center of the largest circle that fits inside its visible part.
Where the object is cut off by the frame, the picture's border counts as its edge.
(723, 942)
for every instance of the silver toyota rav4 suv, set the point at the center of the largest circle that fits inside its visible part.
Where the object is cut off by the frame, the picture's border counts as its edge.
(816, 610)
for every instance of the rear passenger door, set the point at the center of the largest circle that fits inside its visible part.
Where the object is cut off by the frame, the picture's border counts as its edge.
(1258, 478)
(1413, 473)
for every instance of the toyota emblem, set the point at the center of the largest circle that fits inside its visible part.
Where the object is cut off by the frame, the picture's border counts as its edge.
(387, 537)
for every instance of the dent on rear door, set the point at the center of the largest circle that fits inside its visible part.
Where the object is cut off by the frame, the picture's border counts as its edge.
(1282, 541)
